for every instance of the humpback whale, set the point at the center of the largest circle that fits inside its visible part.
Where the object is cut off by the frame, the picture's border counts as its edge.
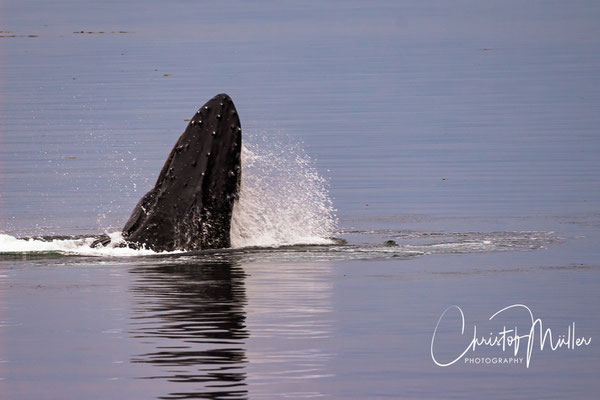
(190, 206)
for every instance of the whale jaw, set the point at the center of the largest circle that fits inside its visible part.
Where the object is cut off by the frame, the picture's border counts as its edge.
(191, 204)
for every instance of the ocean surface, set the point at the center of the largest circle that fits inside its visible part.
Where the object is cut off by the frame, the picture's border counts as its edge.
(410, 169)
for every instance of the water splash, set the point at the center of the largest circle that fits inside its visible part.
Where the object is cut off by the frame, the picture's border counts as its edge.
(283, 199)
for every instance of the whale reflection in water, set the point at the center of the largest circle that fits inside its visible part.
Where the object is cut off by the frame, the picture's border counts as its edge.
(192, 316)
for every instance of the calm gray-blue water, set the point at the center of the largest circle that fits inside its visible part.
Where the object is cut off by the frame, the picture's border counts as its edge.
(405, 164)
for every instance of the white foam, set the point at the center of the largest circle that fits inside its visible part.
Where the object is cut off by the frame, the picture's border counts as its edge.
(283, 199)
(81, 246)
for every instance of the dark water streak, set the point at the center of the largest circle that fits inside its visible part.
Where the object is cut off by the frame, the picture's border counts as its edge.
(192, 315)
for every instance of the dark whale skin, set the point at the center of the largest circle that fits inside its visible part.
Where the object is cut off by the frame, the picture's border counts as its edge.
(191, 204)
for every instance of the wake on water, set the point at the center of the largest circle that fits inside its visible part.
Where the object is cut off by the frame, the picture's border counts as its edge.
(284, 210)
